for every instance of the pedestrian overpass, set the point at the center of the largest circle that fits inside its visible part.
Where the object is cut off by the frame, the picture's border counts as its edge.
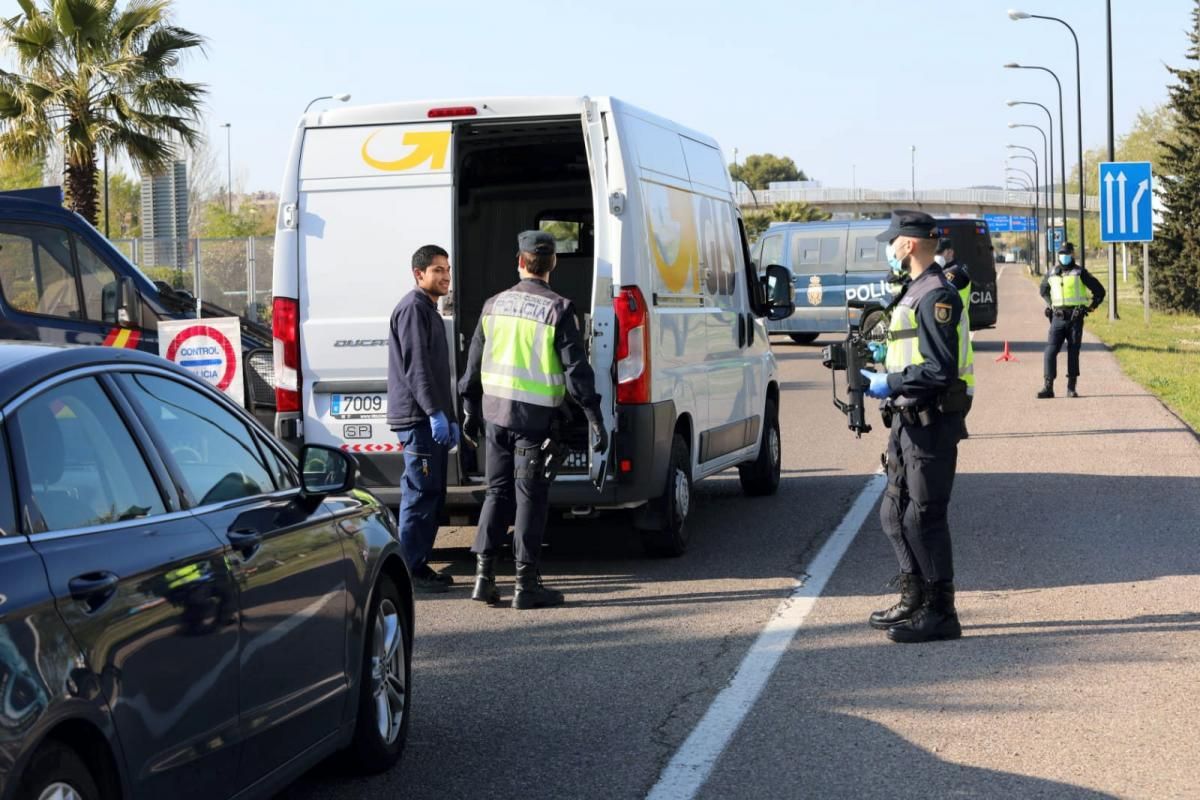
(938, 202)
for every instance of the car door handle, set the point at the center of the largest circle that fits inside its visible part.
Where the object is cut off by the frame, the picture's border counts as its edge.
(245, 542)
(93, 589)
(741, 331)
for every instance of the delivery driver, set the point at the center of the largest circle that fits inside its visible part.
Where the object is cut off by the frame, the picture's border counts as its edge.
(526, 355)
(925, 393)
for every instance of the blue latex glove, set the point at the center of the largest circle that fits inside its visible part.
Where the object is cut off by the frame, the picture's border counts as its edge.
(441, 428)
(454, 434)
(879, 388)
(878, 351)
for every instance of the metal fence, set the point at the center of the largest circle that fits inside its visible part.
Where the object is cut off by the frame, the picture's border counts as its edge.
(232, 273)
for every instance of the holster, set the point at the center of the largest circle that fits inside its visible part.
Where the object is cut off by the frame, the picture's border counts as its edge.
(954, 400)
(886, 413)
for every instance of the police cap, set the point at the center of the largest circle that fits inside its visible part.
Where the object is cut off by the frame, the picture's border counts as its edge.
(944, 244)
(1067, 249)
(917, 224)
(537, 242)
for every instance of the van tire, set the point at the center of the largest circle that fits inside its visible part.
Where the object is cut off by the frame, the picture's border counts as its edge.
(871, 322)
(803, 338)
(670, 538)
(56, 764)
(760, 477)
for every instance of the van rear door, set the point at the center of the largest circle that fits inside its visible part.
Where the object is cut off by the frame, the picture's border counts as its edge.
(602, 151)
(369, 197)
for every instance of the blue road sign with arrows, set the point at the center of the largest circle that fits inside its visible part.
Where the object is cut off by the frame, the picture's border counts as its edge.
(997, 223)
(1125, 202)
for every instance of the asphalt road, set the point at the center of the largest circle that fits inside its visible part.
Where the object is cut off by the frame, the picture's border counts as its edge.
(1074, 525)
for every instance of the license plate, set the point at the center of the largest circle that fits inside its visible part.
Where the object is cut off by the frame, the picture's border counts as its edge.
(358, 406)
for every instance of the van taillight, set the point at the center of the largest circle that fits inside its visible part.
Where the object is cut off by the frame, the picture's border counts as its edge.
(633, 346)
(285, 332)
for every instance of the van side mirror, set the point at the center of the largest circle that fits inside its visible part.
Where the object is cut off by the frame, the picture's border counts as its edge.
(780, 291)
(129, 304)
(324, 470)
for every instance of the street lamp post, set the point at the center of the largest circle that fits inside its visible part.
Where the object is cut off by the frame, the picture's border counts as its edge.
(1049, 156)
(913, 160)
(1046, 143)
(1061, 147)
(1112, 156)
(1031, 236)
(1019, 15)
(1038, 227)
(339, 97)
(1048, 189)
(228, 167)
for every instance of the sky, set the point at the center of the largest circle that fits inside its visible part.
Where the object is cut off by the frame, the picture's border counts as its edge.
(846, 89)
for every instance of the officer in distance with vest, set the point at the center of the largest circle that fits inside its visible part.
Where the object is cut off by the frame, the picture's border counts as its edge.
(1066, 288)
(526, 355)
(929, 367)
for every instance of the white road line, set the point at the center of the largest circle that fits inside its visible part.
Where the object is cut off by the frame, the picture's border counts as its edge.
(693, 762)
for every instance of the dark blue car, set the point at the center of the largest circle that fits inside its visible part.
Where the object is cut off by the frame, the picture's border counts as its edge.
(185, 610)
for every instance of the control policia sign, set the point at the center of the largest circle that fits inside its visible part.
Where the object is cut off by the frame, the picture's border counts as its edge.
(211, 349)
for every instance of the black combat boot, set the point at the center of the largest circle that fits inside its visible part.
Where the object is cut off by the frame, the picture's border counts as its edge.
(1071, 388)
(530, 593)
(934, 621)
(912, 595)
(1047, 391)
(485, 579)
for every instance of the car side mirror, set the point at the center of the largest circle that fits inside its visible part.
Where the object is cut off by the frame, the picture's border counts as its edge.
(129, 304)
(324, 470)
(780, 291)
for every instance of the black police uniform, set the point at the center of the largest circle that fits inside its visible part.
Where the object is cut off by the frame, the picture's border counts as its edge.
(518, 489)
(1066, 325)
(926, 411)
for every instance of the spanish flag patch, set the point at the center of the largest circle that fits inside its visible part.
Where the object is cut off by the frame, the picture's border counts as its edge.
(942, 312)
(122, 337)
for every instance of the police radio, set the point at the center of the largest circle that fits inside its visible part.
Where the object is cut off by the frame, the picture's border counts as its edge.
(852, 356)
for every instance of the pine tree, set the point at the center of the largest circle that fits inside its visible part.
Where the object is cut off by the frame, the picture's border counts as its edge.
(1175, 252)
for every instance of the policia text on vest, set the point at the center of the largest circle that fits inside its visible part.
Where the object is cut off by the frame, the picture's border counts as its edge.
(1070, 292)
(526, 356)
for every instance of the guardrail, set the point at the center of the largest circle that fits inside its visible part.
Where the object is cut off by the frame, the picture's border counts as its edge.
(948, 197)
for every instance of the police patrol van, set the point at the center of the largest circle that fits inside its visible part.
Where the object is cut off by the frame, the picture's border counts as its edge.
(62, 282)
(836, 261)
(651, 250)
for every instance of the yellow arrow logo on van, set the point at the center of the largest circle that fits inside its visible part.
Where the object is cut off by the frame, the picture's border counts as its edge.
(430, 146)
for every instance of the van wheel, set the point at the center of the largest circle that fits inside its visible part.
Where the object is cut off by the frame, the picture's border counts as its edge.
(803, 338)
(874, 326)
(671, 538)
(760, 477)
(57, 773)
(383, 692)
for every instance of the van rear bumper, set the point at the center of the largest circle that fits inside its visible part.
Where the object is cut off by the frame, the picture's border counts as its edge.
(641, 454)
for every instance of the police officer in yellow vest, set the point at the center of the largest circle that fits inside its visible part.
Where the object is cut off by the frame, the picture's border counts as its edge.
(930, 364)
(1065, 289)
(526, 355)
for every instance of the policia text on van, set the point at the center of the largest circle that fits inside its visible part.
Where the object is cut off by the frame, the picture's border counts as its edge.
(651, 253)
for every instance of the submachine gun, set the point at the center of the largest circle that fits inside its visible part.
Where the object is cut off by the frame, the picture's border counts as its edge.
(852, 356)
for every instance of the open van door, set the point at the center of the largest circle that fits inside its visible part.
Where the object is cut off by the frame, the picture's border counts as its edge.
(369, 196)
(603, 158)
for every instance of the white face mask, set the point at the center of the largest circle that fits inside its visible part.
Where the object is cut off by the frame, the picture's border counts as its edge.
(940, 259)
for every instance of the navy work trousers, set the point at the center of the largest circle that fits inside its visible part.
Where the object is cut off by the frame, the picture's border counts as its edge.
(1062, 330)
(422, 493)
(517, 494)
(921, 462)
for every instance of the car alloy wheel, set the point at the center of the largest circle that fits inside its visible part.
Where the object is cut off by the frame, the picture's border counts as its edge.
(387, 672)
(683, 494)
(60, 791)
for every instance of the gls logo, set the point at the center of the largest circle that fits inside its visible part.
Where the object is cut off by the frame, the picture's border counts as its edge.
(360, 343)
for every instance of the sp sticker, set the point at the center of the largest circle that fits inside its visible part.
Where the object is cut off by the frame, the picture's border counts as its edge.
(942, 312)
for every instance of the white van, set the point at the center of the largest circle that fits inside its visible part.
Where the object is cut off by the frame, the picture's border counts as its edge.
(652, 252)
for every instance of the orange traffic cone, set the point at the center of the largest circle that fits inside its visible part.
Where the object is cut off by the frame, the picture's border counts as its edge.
(1006, 355)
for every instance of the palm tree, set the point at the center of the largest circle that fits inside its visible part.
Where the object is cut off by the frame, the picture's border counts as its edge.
(94, 78)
